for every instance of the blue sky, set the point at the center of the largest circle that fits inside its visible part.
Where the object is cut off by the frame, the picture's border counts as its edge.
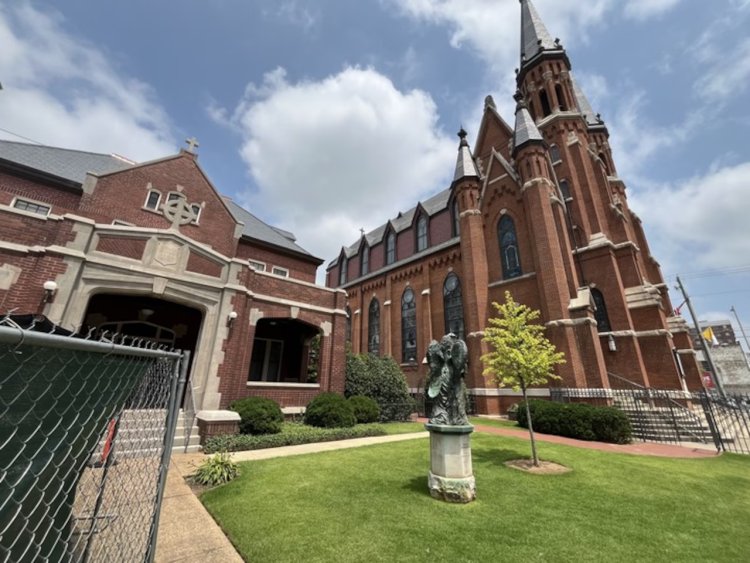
(324, 116)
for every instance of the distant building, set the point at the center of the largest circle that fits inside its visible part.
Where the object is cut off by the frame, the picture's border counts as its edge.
(730, 359)
(538, 210)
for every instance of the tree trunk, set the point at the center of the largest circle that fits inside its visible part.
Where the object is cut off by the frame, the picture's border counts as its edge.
(534, 457)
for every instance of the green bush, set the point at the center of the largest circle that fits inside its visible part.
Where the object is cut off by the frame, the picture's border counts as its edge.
(258, 415)
(382, 380)
(329, 410)
(513, 412)
(216, 470)
(365, 409)
(291, 435)
(577, 420)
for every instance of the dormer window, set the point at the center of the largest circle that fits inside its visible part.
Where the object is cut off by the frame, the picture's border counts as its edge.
(152, 200)
(421, 233)
(342, 270)
(390, 248)
(364, 260)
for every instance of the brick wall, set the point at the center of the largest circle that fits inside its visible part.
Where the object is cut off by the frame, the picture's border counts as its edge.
(298, 269)
(122, 246)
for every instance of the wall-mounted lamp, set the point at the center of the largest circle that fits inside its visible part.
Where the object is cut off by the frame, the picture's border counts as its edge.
(231, 317)
(50, 288)
(612, 344)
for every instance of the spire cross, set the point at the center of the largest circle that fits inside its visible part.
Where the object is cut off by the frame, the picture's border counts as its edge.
(192, 144)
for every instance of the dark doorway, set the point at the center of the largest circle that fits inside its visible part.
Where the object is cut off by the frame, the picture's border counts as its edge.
(285, 351)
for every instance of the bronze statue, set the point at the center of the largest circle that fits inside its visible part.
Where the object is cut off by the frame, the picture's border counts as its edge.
(445, 386)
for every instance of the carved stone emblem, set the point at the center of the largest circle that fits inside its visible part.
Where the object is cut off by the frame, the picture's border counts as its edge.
(178, 211)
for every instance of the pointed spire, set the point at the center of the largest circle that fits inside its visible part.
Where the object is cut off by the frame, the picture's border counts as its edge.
(465, 165)
(526, 130)
(584, 106)
(534, 35)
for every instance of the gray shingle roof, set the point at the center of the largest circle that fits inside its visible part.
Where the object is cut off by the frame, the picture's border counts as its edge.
(465, 165)
(584, 106)
(534, 34)
(66, 164)
(526, 130)
(258, 230)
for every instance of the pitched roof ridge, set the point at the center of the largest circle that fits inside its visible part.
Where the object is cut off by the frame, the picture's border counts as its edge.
(43, 146)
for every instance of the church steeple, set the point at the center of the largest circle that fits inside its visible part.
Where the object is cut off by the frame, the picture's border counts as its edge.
(465, 165)
(535, 39)
(526, 131)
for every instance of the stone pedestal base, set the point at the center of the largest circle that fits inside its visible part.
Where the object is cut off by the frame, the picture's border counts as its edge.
(217, 423)
(451, 476)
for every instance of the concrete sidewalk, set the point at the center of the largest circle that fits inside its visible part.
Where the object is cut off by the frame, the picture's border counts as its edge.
(188, 533)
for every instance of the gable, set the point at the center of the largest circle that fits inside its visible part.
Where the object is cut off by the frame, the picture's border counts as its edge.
(495, 133)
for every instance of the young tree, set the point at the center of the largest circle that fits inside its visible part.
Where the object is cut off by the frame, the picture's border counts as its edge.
(521, 355)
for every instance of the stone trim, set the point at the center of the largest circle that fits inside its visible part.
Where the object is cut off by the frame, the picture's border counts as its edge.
(277, 384)
(506, 282)
(495, 392)
(571, 322)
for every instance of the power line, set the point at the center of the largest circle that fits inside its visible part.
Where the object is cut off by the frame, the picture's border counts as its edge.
(21, 136)
(723, 292)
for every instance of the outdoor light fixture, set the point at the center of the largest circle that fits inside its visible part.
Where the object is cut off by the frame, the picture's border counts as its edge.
(612, 344)
(50, 288)
(231, 318)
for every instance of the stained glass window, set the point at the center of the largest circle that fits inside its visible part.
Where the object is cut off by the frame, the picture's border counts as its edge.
(390, 248)
(408, 327)
(421, 233)
(373, 328)
(508, 247)
(600, 312)
(453, 306)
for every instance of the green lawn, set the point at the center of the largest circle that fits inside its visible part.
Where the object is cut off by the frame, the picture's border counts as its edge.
(403, 427)
(499, 422)
(372, 504)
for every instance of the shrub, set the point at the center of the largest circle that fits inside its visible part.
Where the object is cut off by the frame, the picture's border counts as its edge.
(330, 410)
(258, 415)
(577, 420)
(216, 470)
(290, 435)
(365, 409)
(513, 412)
(383, 381)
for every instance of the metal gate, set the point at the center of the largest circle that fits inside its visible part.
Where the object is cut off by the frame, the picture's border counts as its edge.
(86, 430)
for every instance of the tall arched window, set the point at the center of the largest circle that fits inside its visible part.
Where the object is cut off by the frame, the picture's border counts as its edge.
(408, 326)
(364, 260)
(544, 100)
(390, 248)
(373, 328)
(348, 324)
(453, 306)
(565, 189)
(554, 153)
(456, 218)
(421, 233)
(342, 270)
(506, 232)
(561, 97)
(600, 311)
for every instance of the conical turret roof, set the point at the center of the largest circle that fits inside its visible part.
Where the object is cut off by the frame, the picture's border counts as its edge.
(465, 165)
(534, 35)
(526, 130)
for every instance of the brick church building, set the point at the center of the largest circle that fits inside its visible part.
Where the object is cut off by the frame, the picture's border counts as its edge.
(537, 210)
(153, 250)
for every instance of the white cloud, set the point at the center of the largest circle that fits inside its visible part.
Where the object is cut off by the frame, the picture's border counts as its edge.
(61, 91)
(645, 9)
(727, 76)
(344, 152)
(702, 221)
(292, 12)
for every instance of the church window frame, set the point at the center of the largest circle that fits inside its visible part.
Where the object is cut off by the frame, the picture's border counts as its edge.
(554, 154)
(390, 248)
(373, 327)
(343, 267)
(453, 306)
(279, 271)
(196, 208)
(510, 256)
(364, 260)
(544, 102)
(422, 233)
(256, 265)
(565, 190)
(153, 200)
(31, 206)
(562, 102)
(600, 311)
(408, 326)
(348, 324)
(456, 216)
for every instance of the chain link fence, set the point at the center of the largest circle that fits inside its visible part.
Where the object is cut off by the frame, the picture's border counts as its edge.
(86, 429)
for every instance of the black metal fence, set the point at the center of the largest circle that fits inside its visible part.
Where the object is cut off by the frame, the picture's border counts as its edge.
(674, 416)
(86, 430)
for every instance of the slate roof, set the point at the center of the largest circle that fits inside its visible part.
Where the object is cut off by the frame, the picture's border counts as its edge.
(526, 130)
(72, 166)
(534, 34)
(66, 164)
(583, 104)
(465, 165)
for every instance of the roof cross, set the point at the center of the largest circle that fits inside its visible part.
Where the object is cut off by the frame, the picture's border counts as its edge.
(192, 144)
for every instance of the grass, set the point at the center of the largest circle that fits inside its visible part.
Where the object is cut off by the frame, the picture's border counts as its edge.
(498, 422)
(372, 504)
(403, 427)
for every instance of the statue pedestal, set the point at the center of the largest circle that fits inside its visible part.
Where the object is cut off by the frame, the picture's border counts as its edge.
(451, 475)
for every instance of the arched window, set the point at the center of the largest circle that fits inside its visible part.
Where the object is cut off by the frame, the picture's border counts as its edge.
(600, 311)
(506, 232)
(544, 100)
(364, 260)
(565, 189)
(561, 98)
(342, 270)
(348, 324)
(456, 218)
(421, 233)
(453, 306)
(390, 248)
(373, 328)
(554, 153)
(408, 327)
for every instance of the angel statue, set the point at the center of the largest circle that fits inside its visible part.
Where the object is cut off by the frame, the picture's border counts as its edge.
(445, 386)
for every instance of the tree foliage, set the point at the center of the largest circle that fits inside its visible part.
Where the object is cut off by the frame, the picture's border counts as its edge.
(521, 355)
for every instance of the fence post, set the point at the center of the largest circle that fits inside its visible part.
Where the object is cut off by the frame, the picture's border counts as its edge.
(705, 400)
(178, 381)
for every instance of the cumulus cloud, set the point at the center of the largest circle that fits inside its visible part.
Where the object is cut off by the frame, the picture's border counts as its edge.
(645, 9)
(333, 155)
(701, 221)
(61, 91)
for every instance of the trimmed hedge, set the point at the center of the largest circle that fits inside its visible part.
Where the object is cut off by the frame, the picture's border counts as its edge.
(577, 420)
(291, 434)
(258, 415)
(382, 380)
(330, 410)
(365, 409)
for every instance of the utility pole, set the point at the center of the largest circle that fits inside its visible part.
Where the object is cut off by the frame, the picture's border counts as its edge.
(706, 351)
(742, 330)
